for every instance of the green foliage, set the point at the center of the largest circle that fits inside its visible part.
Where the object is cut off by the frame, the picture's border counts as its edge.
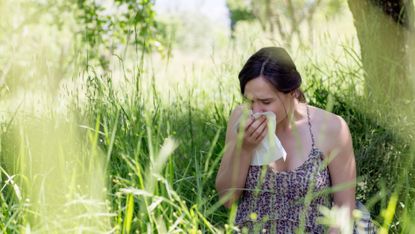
(285, 21)
(246, 10)
(187, 176)
(44, 42)
(161, 145)
(239, 11)
(385, 159)
(154, 186)
(141, 125)
(121, 23)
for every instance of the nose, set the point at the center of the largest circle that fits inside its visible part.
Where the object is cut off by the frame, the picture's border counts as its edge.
(257, 107)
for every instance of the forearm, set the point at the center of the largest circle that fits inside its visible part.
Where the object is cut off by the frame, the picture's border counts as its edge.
(232, 173)
(346, 198)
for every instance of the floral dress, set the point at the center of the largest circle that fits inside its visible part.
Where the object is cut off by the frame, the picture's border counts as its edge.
(283, 202)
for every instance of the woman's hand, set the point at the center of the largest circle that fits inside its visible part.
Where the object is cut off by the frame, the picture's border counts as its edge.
(233, 170)
(255, 131)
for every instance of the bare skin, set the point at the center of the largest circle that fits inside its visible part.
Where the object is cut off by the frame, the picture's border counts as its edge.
(331, 133)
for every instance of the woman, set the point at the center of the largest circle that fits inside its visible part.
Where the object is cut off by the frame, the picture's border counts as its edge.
(275, 199)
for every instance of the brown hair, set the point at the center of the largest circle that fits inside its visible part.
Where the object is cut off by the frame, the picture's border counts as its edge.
(277, 67)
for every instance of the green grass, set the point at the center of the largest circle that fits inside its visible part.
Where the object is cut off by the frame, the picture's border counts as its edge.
(137, 149)
(160, 158)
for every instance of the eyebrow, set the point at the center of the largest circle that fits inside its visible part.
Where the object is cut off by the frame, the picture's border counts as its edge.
(260, 99)
(265, 99)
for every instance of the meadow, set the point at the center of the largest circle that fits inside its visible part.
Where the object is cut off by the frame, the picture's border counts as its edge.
(136, 148)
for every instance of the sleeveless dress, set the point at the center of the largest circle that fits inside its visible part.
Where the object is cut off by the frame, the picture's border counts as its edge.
(280, 202)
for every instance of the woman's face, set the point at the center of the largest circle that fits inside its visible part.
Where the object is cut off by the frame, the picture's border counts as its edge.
(262, 97)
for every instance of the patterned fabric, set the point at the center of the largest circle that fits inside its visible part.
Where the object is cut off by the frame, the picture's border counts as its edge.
(281, 202)
(364, 224)
(278, 202)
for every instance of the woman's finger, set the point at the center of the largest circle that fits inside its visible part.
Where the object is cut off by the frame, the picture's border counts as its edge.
(248, 124)
(263, 133)
(255, 125)
(259, 130)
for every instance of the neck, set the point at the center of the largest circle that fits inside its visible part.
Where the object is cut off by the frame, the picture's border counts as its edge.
(294, 113)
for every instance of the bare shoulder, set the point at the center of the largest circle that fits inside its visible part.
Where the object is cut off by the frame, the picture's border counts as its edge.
(332, 121)
(332, 129)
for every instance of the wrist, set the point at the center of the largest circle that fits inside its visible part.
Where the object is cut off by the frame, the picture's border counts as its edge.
(248, 150)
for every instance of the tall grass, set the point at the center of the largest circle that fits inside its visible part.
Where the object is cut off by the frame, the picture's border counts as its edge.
(161, 158)
(133, 151)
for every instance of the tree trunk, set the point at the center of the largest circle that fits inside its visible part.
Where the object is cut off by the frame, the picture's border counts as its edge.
(383, 29)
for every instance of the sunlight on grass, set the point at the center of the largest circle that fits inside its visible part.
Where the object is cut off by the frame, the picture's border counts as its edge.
(136, 148)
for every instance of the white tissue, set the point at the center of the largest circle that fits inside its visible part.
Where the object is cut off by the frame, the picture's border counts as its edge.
(270, 148)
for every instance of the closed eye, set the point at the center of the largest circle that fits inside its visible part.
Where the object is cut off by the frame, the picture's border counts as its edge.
(266, 101)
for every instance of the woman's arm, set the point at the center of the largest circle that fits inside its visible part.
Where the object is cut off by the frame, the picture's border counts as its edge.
(234, 166)
(342, 166)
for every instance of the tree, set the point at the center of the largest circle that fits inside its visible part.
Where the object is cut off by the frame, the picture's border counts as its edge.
(97, 29)
(122, 23)
(286, 18)
(384, 29)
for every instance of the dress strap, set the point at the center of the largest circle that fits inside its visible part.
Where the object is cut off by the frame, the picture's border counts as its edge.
(309, 126)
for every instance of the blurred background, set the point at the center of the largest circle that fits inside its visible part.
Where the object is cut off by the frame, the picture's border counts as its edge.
(113, 112)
